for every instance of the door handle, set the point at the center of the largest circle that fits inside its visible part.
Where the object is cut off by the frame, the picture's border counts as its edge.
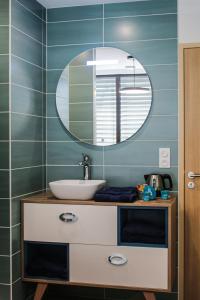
(193, 175)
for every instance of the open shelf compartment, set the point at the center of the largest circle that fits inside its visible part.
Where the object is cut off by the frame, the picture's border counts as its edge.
(143, 226)
(48, 261)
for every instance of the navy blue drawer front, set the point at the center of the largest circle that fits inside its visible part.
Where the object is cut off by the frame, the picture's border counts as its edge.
(143, 226)
(46, 260)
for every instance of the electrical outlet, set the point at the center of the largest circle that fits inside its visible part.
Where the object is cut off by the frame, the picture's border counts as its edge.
(164, 158)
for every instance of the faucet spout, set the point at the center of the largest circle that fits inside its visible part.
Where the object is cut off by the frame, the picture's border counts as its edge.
(86, 164)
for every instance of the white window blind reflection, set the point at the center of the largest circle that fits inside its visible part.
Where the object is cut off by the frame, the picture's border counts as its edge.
(133, 108)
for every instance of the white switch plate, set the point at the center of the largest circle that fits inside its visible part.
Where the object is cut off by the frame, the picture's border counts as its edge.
(164, 158)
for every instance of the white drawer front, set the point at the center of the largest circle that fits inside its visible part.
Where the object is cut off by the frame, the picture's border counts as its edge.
(91, 225)
(145, 267)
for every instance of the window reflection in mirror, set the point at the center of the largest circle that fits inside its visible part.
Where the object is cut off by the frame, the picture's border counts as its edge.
(104, 96)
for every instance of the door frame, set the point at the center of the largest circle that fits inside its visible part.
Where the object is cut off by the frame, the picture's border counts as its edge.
(181, 173)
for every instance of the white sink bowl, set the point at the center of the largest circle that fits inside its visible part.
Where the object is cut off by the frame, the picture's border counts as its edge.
(76, 189)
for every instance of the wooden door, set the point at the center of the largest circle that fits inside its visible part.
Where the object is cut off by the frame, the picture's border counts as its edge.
(191, 89)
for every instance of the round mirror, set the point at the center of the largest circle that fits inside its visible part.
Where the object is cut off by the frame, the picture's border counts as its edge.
(103, 96)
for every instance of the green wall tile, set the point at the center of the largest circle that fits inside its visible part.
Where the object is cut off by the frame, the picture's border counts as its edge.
(25, 21)
(26, 101)
(163, 77)
(140, 8)
(4, 125)
(70, 153)
(80, 32)
(4, 155)
(4, 68)
(165, 102)
(5, 292)
(4, 12)
(150, 52)
(34, 6)
(16, 210)
(26, 181)
(143, 153)
(75, 13)
(4, 241)
(51, 106)
(4, 184)
(44, 36)
(141, 28)
(57, 132)
(4, 36)
(16, 266)
(44, 81)
(155, 129)
(44, 14)
(26, 127)
(4, 92)
(52, 80)
(16, 238)
(26, 74)
(4, 212)
(4, 270)
(26, 154)
(22, 290)
(26, 48)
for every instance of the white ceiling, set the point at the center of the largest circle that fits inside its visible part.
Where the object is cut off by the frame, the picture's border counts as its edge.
(67, 3)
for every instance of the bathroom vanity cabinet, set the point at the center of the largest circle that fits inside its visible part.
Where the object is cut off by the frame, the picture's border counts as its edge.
(118, 245)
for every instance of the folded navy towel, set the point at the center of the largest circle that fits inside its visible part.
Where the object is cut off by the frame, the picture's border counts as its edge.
(115, 198)
(117, 190)
(115, 194)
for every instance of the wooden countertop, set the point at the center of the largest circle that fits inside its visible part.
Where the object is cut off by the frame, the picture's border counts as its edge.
(48, 198)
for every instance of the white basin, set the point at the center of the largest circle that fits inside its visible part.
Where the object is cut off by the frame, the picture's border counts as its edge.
(75, 189)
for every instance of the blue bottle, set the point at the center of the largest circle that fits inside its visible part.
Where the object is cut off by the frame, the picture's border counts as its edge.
(149, 193)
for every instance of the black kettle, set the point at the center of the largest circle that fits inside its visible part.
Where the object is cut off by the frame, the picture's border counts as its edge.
(159, 182)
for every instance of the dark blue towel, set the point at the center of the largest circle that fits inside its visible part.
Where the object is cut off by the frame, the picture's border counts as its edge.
(116, 194)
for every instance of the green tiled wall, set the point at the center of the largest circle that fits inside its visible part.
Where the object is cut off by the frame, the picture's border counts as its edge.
(27, 117)
(22, 111)
(5, 223)
(148, 31)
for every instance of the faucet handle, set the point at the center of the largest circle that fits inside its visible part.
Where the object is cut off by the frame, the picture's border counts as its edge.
(86, 157)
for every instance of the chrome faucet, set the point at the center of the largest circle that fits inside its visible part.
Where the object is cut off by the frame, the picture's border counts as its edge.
(86, 164)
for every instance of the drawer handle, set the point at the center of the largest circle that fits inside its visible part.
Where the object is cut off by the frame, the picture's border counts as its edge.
(68, 217)
(117, 259)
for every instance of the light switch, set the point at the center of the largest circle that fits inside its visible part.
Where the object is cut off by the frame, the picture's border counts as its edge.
(164, 158)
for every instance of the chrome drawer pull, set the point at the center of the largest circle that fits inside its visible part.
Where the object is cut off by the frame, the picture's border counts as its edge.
(68, 217)
(117, 259)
